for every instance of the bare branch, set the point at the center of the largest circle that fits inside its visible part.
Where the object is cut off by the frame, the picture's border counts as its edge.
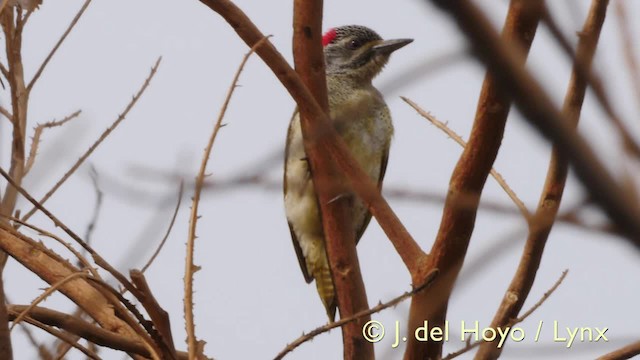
(93, 173)
(626, 352)
(108, 292)
(46, 294)
(3, 5)
(86, 330)
(51, 268)
(514, 321)
(553, 190)
(6, 113)
(458, 139)
(190, 268)
(62, 336)
(95, 145)
(538, 109)
(467, 182)
(579, 66)
(159, 317)
(166, 235)
(365, 313)
(60, 41)
(38, 133)
(329, 182)
(81, 259)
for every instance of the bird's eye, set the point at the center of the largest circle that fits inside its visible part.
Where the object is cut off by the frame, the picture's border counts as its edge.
(354, 44)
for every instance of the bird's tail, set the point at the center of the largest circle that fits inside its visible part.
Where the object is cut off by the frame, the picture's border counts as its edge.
(324, 284)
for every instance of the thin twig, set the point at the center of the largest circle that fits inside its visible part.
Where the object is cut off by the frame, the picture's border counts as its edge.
(38, 133)
(86, 330)
(95, 145)
(152, 346)
(623, 353)
(93, 173)
(6, 113)
(538, 109)
(62, 336)
(517, 320)
(630, 144)
(166, 235)
(47, 293)
(376, 309)
(81, 259)
(50, 267)
(458, 139)
(55, 48)
(190, 268)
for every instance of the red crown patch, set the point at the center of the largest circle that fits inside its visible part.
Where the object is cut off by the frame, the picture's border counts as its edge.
(328, 37)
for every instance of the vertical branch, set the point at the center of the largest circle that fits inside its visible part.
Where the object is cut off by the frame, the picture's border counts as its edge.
(329, 182)
(538, 110)
(193, 345)
(551, 196)
(467, 182)
(19, 101)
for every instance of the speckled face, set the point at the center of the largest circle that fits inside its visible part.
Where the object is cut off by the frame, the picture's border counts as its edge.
(348, 47)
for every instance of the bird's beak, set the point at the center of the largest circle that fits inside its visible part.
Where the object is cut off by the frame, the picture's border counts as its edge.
(388, 46)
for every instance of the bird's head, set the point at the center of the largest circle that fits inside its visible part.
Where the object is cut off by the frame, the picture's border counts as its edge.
(357, 51)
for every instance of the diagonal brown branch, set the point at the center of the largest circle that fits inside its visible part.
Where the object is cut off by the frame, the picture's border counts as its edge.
(410, 252)
(630, 144)
(51, 268)
(623, 353)
(97, 143)
(539, 110)
(86, 330)
(517, 320)
(166, 234)
(551, 196)
(60, 335)
(57, 46)
(365, 313)
(458, 139)
(53, 288)
(468, 179)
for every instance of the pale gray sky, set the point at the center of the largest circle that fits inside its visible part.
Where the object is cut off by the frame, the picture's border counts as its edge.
(251, 299)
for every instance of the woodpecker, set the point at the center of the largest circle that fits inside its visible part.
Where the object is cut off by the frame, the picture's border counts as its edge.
(353, 56)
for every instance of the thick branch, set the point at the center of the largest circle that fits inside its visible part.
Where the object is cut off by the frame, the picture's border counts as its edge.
(328, 180)
(626, 352)
(551, 196)
(86, 330)
(538, 109)
(51, 268)
(467, 181)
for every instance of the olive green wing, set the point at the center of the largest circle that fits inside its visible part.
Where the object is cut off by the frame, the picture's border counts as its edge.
(383, 170)
(303, 264)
